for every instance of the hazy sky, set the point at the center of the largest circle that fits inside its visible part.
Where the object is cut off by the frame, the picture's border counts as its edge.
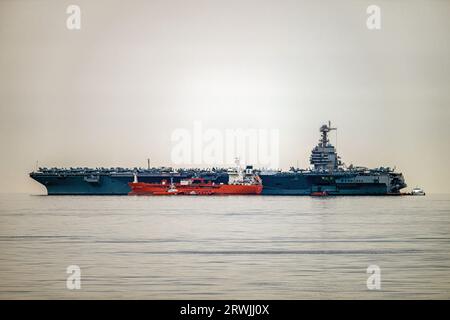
(111, 93)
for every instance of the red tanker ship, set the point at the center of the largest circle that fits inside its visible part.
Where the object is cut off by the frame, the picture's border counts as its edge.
(196, 186)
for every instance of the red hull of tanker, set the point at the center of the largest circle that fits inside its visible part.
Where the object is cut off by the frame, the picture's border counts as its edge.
(141, 188)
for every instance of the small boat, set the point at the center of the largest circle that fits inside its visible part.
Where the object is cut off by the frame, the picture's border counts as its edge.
(417, 192)
(319, 194)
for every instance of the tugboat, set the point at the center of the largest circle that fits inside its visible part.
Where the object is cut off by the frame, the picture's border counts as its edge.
(417, 192)
(197, 186)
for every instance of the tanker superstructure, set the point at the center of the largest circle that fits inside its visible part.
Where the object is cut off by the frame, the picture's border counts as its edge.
(328, 174)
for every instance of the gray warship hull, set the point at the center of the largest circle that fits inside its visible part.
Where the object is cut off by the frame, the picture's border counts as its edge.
(333, 184)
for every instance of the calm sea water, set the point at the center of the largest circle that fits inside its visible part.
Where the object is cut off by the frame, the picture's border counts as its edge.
(245, 247)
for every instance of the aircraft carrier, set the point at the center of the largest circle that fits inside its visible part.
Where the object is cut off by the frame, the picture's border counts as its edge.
(327, 175)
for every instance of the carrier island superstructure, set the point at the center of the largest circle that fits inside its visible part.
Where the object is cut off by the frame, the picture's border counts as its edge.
(327, 174)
